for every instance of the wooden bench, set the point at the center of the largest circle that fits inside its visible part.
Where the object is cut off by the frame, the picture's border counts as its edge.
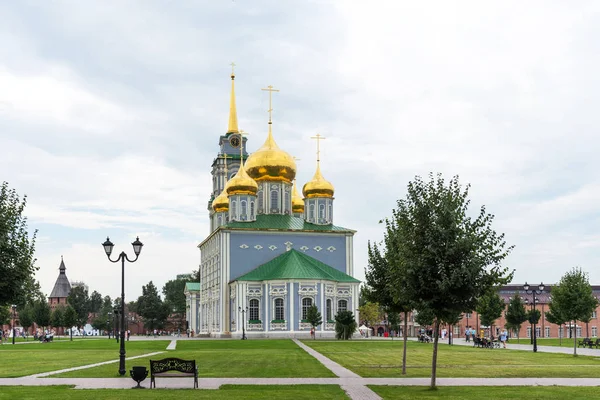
(586, 342)
(173, 368)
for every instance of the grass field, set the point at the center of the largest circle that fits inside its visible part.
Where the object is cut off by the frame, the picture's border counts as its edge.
(303, 392)
(33, 358)
(230, 358)
(488, 392)
(384, 359)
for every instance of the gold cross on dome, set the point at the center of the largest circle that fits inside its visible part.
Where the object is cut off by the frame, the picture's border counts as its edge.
(270, 90)
(318, 138)
(232, 68)
(225, 157)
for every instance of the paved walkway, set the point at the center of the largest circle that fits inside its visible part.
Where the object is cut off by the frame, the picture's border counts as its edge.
(351, 383)
(172, 345)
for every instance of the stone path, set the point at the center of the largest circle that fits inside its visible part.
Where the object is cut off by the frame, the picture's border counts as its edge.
(44, 374)
(172, 345)
(355, 391)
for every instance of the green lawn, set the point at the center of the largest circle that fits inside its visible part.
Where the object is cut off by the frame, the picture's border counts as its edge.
(488, 392)
(300, 392)
(551, 342)
(384, 359)
(28, 359)
(231, 358)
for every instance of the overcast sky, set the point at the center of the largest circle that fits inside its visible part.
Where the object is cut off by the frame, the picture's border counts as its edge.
(110, 115)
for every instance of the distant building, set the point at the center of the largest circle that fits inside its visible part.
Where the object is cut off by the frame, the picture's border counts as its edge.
(192, 305)
(62, 288)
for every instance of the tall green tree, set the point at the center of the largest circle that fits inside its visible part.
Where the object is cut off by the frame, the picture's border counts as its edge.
(151, 308)
(439, 255)
(378, 289)
(79, 299)
(57, 316)
(345, 325)
(314, 318)
(26, 316)
(17, 262)
(556, 317)
(490, 307)
(5, 316)
(573, 298)
(173, 291)
(42, 314)
(70, 319)
(370, 313)
(95, 302)
(516, 314)
(424, 316)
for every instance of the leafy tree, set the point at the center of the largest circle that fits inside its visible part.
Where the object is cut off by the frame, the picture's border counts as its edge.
(369, 313)
(393, 319)
(57, 316)
(554, 316)
(151, 308)
(26, 316)
(378, 289)
(533, 316)
(80, 301)
(424, 316)
(574, 298)
(17, 262)
(95, 302)
(41, 314)
(5, 315)
(174, 296)
(314, 318)
(100, 322)
(438, 255)
(345, 325)
(107, 304)
(70, 319)
(490, 307)
(516, 314)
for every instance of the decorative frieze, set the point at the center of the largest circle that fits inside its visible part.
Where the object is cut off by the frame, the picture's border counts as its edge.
(307, 291)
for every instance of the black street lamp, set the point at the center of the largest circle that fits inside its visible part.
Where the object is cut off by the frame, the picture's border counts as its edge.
(137, 248)
(534, 292)
(116, 323)
(14, 309)
(243, 311)
(108, 323)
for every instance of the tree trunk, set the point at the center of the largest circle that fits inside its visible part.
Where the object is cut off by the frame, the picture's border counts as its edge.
(436, 327)
(405, 341)
(574, 338)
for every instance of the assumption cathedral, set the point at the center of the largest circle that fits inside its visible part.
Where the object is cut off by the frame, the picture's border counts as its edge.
(271, 253)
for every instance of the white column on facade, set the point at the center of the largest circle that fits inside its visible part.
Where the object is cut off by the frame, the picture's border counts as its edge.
(267, 305)
(323, 313)
(292, 296)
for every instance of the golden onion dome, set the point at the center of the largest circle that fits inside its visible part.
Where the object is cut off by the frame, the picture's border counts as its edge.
(318, 186)
(241, 183)
(270, 163)
(221, 202)
(297, 202)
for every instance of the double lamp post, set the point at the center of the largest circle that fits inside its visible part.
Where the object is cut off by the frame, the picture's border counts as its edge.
(108, 248)
(534, 292)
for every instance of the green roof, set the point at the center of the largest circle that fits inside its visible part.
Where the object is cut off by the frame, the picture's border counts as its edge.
(192, 286)
(284, 223)
(295, 265)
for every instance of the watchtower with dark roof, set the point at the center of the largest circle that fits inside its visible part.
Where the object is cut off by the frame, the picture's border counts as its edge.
(62, 288)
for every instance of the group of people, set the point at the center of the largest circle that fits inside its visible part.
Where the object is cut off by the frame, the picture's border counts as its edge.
(471, 334)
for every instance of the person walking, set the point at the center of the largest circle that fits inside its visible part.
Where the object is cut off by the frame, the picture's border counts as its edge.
(503, 337)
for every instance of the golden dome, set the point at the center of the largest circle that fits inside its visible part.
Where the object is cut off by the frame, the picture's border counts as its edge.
(270, 163)
(221, 202)
(241, 183)
(297, 202)
(318, 186)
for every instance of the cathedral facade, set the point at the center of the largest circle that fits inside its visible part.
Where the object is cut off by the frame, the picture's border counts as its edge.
(271, 253)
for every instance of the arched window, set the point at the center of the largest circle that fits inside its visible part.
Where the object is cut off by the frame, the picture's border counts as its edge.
(253, 310)
(330, 212)
(260, 201)
(233, 210)
(342, 305)
(243, 209)
(275, 199)
(306, 304)
(311, 212)
(328, 312)
(279, 309)
(287, 204)
(252, 209)
(321, 211)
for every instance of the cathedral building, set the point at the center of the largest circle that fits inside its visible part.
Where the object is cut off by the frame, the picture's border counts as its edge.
(271, 253)
(61, 289)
